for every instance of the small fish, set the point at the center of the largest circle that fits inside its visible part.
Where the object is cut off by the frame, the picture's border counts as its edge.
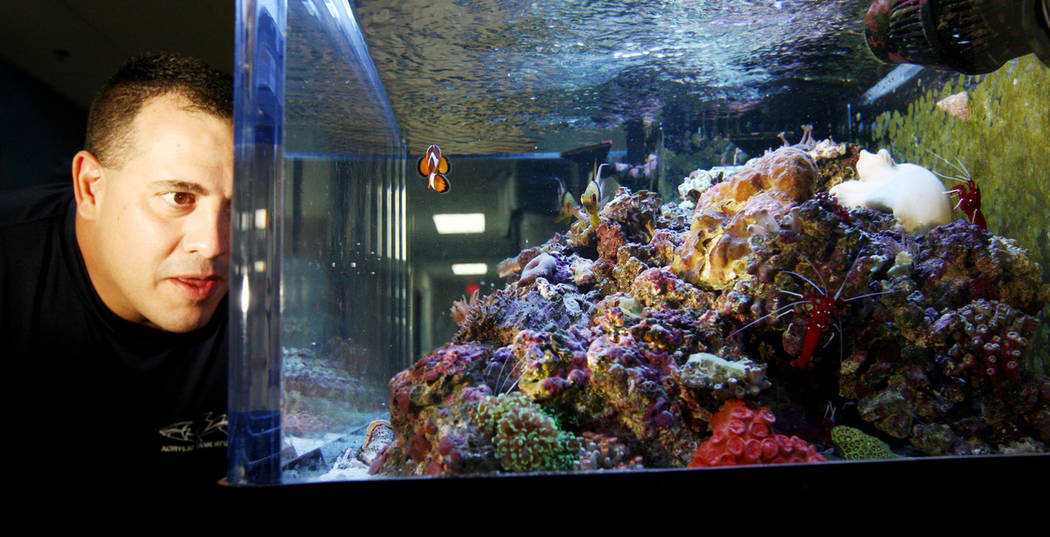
(434, 166)
(567, 203)
(592, 196)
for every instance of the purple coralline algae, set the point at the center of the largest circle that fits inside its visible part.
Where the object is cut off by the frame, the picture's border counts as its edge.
(612, 346)
(432, 413)
(604, 452)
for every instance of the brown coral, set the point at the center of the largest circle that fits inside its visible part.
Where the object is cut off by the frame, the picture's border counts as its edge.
(729, 213)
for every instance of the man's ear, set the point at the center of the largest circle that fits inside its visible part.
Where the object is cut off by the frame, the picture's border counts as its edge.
(88, 184)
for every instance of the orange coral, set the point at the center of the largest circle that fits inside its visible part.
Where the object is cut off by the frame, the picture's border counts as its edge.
(743, 435)
(787, 172)
(765, 189)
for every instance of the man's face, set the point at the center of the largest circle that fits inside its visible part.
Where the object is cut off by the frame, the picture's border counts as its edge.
(163, 219)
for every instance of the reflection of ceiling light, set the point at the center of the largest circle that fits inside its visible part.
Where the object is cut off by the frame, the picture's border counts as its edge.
(897, 78)
(469, 269)
(460, 223)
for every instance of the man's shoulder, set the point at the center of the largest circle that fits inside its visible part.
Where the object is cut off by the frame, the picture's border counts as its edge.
(37, 283)
(33, 204)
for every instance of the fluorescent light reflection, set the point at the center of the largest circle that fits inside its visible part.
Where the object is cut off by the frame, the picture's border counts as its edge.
(469, 269)
(459, 223)
(246, 294)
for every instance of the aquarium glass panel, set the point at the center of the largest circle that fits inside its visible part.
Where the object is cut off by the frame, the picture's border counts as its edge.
(325, 311)
(586, 236)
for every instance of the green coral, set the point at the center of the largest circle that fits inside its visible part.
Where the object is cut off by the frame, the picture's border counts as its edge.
(526, 439)
(1004, 146)
(855, 445)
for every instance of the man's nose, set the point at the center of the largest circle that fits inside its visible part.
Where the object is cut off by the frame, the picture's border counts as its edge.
(207, 232)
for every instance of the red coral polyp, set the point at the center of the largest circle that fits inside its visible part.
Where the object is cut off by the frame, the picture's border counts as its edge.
(767, 416)
(770, 448)
(735, 445)
(742, 436)
(757, 429)
(741, 413)
(753, 451)
(736, 427)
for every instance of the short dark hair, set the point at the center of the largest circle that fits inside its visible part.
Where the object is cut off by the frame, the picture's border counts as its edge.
(143, 78)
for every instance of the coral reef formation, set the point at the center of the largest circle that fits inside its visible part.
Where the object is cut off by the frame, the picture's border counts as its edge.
(700, 180)
(1001, 146)
(432, 412)
(665, 337)
(725, 379)
(603, 452)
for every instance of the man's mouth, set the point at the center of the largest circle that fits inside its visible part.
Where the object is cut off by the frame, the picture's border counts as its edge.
(197, 287)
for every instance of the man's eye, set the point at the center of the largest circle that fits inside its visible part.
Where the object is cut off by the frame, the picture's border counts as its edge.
(181, 199)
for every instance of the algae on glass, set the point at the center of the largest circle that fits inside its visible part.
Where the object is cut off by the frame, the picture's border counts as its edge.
(1005, 146)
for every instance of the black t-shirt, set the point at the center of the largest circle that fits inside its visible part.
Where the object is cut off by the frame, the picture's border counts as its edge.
(93, 397)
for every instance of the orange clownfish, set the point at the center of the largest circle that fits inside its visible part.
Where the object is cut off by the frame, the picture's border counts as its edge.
(433, 166)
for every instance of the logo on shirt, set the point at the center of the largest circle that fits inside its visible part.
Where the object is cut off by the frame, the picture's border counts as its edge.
(207, 431)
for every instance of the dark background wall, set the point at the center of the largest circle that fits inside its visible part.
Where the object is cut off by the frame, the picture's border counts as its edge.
(55, 54)
(44, 130)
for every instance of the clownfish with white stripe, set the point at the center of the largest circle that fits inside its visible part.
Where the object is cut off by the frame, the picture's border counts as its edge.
(434, 166)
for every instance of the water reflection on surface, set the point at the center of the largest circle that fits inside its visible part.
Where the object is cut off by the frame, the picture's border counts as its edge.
(510, 76)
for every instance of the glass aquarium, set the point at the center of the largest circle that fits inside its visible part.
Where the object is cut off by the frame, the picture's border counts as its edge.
(499, 238)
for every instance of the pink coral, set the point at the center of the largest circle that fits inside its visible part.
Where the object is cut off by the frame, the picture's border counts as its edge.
(990, 339)
(743, 435)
